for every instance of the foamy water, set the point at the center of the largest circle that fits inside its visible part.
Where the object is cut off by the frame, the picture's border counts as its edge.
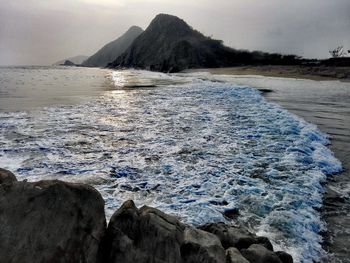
(194, 149)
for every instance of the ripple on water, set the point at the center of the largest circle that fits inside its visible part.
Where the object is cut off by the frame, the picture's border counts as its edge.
(194, 150)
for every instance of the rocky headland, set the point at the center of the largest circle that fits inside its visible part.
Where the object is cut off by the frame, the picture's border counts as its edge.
(55, 221)
(77, 60)
(169, 44)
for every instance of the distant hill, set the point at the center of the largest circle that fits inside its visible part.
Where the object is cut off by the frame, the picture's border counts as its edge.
(68, 63)
(76, 60)
(112, 50)
(169, 44)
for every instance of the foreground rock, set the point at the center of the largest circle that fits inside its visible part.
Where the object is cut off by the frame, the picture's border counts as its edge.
(54, 221)
(149, 235)
(234, 256)
(7, 177)
(50, 221)
(231, 236)
(260, 254)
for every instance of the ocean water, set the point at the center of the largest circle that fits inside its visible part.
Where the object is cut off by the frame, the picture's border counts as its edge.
(192, 147)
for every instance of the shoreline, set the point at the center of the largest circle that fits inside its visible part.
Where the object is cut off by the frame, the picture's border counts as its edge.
(329, 111)
(320, 73)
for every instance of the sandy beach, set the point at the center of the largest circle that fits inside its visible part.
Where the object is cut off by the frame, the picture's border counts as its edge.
(299, 72)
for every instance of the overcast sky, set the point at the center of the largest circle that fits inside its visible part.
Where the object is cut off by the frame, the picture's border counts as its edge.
(40, 32)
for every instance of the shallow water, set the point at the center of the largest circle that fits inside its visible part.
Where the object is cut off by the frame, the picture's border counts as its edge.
(193, 148)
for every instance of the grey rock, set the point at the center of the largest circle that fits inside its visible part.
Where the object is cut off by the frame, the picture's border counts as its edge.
(149, 235)
(201, 246)
(260, 254)
(284, 257)
(7, 177)
(50, 221)
(234, 256)
(231, 236)
(142, 235)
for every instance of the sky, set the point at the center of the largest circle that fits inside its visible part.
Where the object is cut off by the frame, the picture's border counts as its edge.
(41, 32)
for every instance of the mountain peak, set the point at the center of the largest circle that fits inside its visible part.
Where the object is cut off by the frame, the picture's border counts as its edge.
(165, 22)
(164, 17)
(135, 28)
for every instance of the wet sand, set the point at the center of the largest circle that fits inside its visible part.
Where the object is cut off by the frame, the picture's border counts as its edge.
(326, 104)
(300, 72)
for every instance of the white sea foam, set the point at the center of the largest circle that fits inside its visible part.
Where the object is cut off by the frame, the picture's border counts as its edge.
(193, 150)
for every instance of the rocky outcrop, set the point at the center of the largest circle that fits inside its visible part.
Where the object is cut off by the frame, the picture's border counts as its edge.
(68, 63)
(54, 221)
(231, 236)
(7, 177)
(149, 235)
(50, 221)
(77, 60)
(260, 254)
(234, 256)
(114, 49)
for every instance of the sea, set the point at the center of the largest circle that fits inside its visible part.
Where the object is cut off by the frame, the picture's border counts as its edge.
(203, 148)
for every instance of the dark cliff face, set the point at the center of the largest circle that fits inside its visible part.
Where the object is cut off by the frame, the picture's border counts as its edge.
(112, 50)
(169, 44)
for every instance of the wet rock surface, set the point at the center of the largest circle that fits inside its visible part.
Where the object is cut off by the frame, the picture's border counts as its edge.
(231, 236)
(50, 221)
(54, 221)
(7, 177)
(260, 254)
(149, 235)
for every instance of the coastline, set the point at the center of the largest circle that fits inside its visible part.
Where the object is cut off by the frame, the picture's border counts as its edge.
(331, 116)
(298, 72)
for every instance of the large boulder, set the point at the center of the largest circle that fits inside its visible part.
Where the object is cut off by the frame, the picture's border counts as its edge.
(149, 235)
(260, 254)
(7, 177)
(284, 257)
(201, 246)
(234, 256)
(50, 221)
(231, 236)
